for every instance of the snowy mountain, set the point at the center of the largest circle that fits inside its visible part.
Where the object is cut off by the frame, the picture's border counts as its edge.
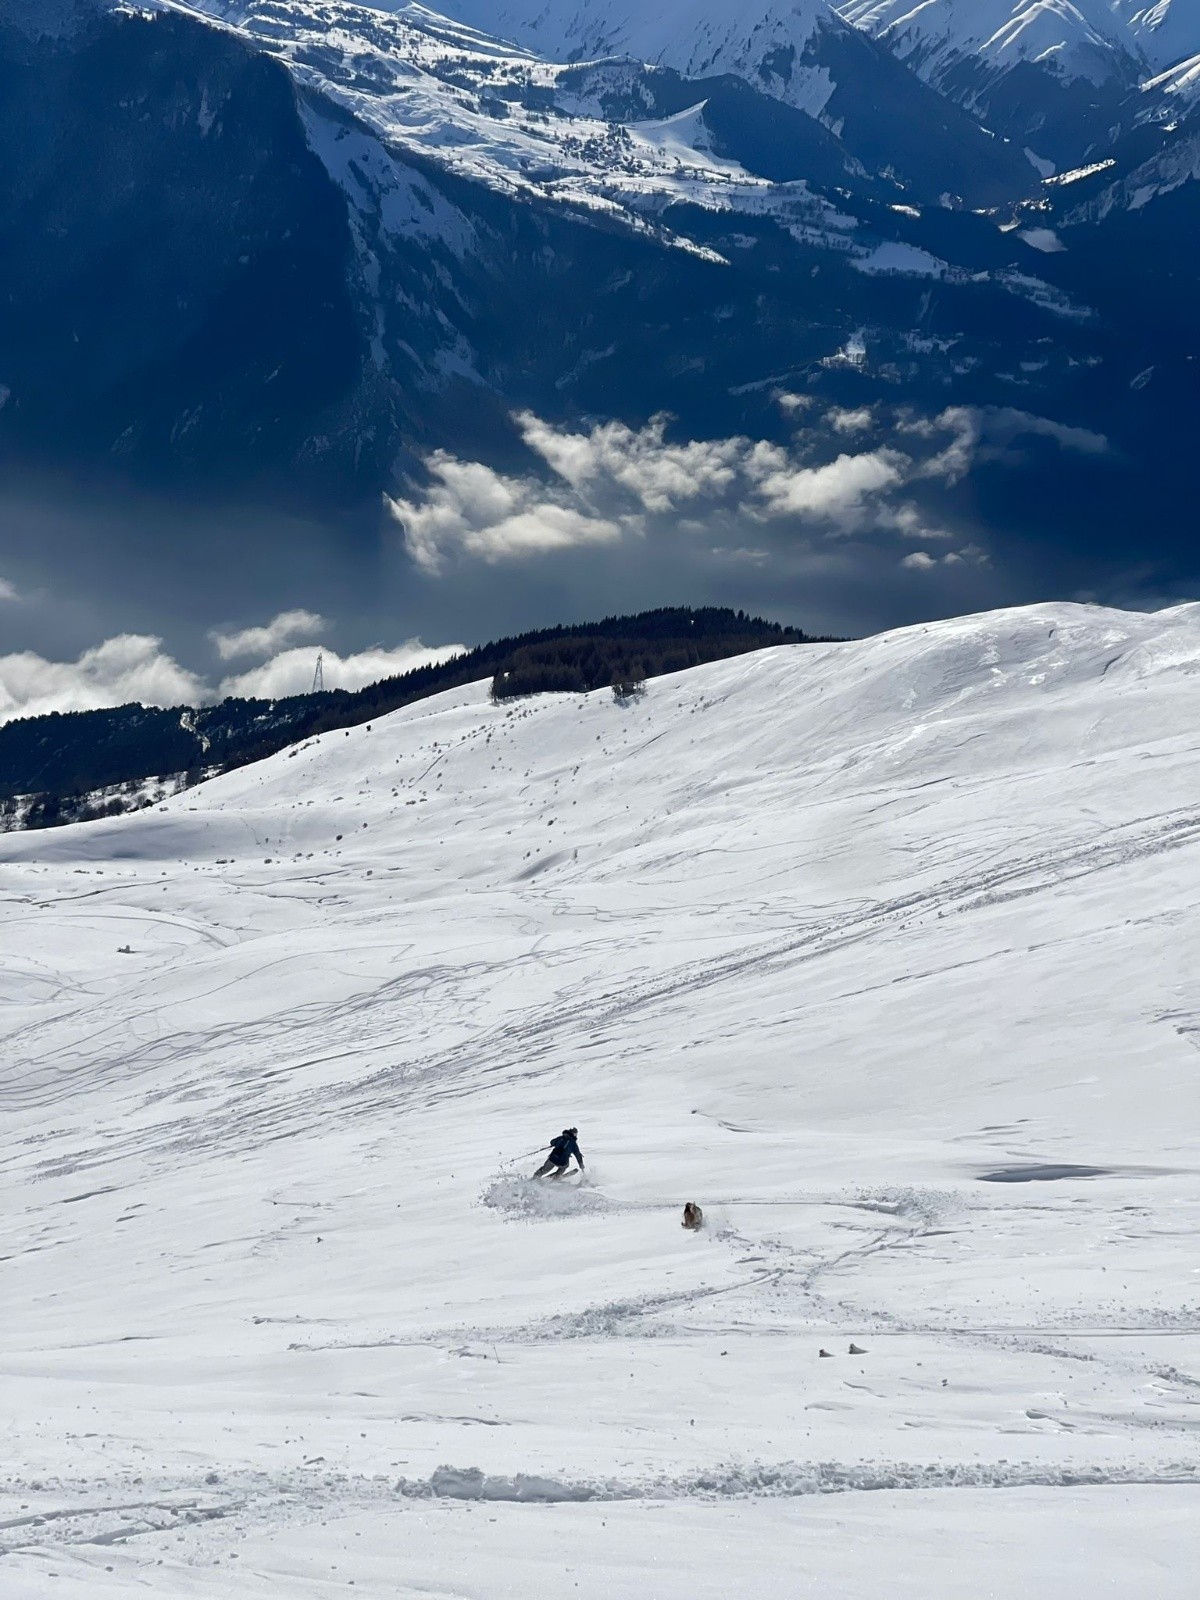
(882, 953)
(1182, 80)
(778, 43)
(1072, 38)
(1166, 33)
(543, 116)
(1058, 74)
(292, 248)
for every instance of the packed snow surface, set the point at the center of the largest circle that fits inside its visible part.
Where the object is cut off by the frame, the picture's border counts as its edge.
(883, 953)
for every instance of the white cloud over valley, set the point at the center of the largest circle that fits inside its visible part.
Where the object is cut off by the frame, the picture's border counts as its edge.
(616, 485)
(139, 668)
(271, 637)
(291, 671)
(128, 667)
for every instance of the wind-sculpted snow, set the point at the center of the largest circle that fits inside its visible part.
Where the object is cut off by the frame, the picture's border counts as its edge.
(880, 952)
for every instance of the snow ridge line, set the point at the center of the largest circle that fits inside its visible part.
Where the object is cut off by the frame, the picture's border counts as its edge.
(788, 1480)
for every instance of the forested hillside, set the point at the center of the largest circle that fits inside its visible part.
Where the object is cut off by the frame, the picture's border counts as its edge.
(71, 766)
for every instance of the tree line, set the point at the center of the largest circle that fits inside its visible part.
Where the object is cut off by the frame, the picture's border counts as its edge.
(51, 767)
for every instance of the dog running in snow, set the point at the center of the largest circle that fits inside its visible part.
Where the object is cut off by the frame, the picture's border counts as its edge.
(693, 1217)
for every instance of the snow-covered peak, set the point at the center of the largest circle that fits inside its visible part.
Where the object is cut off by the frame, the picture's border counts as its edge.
(1167, 33)
(1079, 38)
(699, 38)
(1076, 38)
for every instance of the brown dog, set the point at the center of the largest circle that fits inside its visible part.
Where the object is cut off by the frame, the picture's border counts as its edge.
(693, 1217)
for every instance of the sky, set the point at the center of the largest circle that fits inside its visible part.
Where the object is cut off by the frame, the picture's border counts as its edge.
(859, 520)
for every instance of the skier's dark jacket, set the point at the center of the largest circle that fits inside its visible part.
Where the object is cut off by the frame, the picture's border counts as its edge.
(563, 1148)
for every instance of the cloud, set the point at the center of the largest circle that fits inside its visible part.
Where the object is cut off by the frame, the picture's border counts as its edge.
(471, 510)
(1003, 424)
(128, 667)
(291, 671)
(857, 421)
(269, 639)
(989, 433)
(837, 491)
(7, 590)
(659, 474)
(135, 668)
(908, 521)
(922, 561)
(614, 485)
(790, 403)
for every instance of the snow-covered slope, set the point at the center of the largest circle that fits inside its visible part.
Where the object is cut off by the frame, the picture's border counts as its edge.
(766, 42)
(495, 114)
(1061, 76)
(1182, 80)
(1166, 32)
(883, 953)
(1075, 38)
(1087, 38)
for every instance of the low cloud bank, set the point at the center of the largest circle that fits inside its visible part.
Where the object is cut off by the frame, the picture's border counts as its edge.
(283, 630)
(138, 668)
(131, 666)
(291, 671)
(615, 485)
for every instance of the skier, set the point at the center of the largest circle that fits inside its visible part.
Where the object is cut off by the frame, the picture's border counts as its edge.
(561, 1151)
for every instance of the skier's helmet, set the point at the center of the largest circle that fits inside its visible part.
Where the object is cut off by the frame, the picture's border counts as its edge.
(570, 1133)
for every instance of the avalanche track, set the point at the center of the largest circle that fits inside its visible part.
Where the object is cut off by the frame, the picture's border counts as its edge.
(882, 952)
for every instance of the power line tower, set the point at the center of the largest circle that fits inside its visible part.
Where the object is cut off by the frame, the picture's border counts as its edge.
(319, 675)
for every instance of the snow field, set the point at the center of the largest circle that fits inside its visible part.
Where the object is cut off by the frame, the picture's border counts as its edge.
(842, 942)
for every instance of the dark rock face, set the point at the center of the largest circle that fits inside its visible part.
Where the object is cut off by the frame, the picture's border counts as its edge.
(894, 121)
(1065, 121)
(175, 264)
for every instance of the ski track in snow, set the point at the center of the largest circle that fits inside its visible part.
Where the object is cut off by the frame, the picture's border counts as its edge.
(882, 952)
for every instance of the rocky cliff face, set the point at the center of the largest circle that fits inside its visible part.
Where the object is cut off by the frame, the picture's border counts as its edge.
(177, 265)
